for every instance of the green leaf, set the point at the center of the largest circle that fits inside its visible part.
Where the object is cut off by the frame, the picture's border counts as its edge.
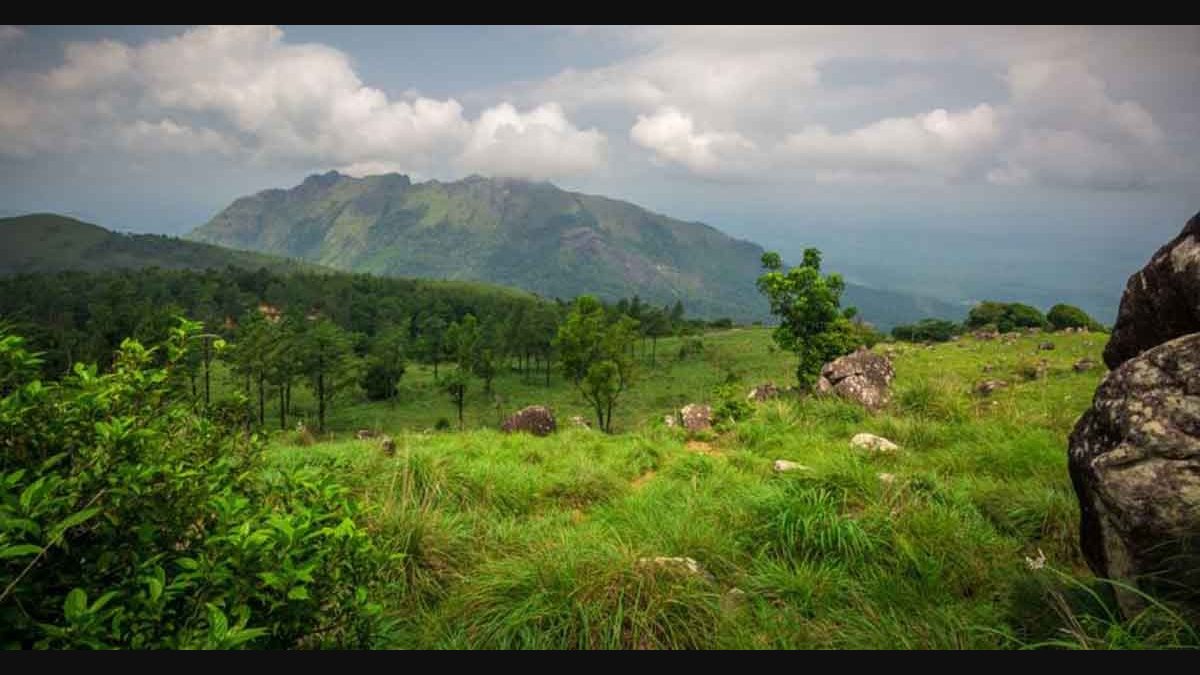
(189, 564)
(298, 593)
(218, 623)
(73, 520)
(19, 550)
(156, 588)
(75, 605)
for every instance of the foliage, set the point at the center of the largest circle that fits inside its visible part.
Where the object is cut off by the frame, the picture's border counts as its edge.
(128, 520)
(927, 330)
(595, 354)
(1005, 316)
(1063, 316)
(807, 305)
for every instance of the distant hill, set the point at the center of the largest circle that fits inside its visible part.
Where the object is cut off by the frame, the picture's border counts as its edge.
(532, 235)
(47, 242)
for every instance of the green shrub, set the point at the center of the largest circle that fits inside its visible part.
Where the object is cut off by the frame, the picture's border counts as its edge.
(127, 520)
(1006, 316)
(1063, 316)
(927, 330)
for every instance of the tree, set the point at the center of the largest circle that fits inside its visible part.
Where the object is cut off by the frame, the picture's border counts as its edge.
(1063, 316)
(386, 363)
(327, 357)
(1006, 317)
(432, 343)
(456, 385)
(595, 355)
(807, 304)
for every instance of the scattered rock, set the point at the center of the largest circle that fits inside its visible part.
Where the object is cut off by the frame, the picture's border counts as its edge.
(365, 434)
(679, 565)
(763, 392)
(388, 445)
(1032, 330)
(985, 334)
(863, 377)
(1046, 346)
(733, 599)
(696, 417)
(986, 387)
(1161, 301)
(873, 442)
(1134, 461)
(1084, 365)
(782, 465)
(535, 419)
(578, 421)
(669, 420)
(987, 367)
(887, 478)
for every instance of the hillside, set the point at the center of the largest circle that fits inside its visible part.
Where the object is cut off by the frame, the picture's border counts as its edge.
(47, 242)
(520, 233)
(522, 542)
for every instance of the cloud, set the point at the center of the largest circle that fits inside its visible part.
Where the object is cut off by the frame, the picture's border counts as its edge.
(243, 90)
(10, 34)
(672, 136)
(537, 144)
(986, 104)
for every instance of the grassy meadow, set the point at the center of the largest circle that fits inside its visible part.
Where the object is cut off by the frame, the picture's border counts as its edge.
(964, 538)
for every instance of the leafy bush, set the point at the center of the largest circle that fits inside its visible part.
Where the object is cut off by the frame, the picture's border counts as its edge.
(1006, 316)
(732, 405)
(379, 382)
(690, 347)
(129, 520)
(926, 330)
(442, 424)
(1063, 316)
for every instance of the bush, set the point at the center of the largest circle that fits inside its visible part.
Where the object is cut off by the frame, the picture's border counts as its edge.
(1006, 316)
(926, 330)
(127, 520)
(690, 347)
(1063, 316)
(442, 424)
(379, 382)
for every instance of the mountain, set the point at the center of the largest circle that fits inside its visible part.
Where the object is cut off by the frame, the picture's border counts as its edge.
(47, 242)
(531, 235)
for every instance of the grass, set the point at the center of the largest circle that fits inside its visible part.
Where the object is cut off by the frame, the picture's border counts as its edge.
(523, 542)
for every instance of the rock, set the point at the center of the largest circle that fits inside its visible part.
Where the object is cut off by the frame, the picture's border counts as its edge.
(388, 445)
(365, 434)
(985, 334)
(696, 417)
(887, 478)
(1084, 365)
(733, 599)
(987, 367)
(1046, 346)
(669, 420)
(1134, 461)
(873, 442)
(986, 387)
(763, 392)
(681, 565)
(1032, 330)
(863, 377)
(535, 419)
(578, 421)
(1161, 301)
(782, 465)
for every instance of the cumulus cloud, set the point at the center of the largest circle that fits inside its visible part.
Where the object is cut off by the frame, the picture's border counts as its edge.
(243, 90)
(539, 143)
(673, 138)
(847, 103)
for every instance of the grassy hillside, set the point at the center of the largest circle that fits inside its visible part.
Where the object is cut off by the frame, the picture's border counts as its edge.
(964, 538)
(526, 234)
(46, 242)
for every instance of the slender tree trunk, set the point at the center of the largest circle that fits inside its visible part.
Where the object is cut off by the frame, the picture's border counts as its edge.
(547, 370)
(282, 409)
(262, 410)
(321, 402)
(653, 349)
(207, 358)
(435, 362)
(288, 397)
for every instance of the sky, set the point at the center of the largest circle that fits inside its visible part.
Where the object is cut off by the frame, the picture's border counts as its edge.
(954, 161)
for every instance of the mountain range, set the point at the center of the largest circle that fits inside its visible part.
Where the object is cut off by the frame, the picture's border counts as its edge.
(531, 235)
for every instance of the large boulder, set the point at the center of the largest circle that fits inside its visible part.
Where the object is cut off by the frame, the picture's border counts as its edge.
(1135, 464)
(863, 377)
(536, 419)
(696, 417)
(1161, 301)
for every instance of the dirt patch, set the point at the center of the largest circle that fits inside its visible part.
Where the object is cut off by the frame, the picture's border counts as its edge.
(640, 482)
(703, 448)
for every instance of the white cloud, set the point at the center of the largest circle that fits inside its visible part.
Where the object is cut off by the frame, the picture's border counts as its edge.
(244, 90)
(10, 34)
(673, 137)
(541, 143)
(938, 142)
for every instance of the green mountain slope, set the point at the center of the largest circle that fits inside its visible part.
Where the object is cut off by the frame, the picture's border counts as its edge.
(532, 235)
(46, 242)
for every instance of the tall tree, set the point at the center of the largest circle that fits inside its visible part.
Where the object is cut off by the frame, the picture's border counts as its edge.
(807, 304)
(594, 354)
(327, 358)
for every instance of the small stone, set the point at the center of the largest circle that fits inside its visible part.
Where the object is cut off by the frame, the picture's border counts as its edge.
(782, 465)
(887, 478)
(873, 442)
